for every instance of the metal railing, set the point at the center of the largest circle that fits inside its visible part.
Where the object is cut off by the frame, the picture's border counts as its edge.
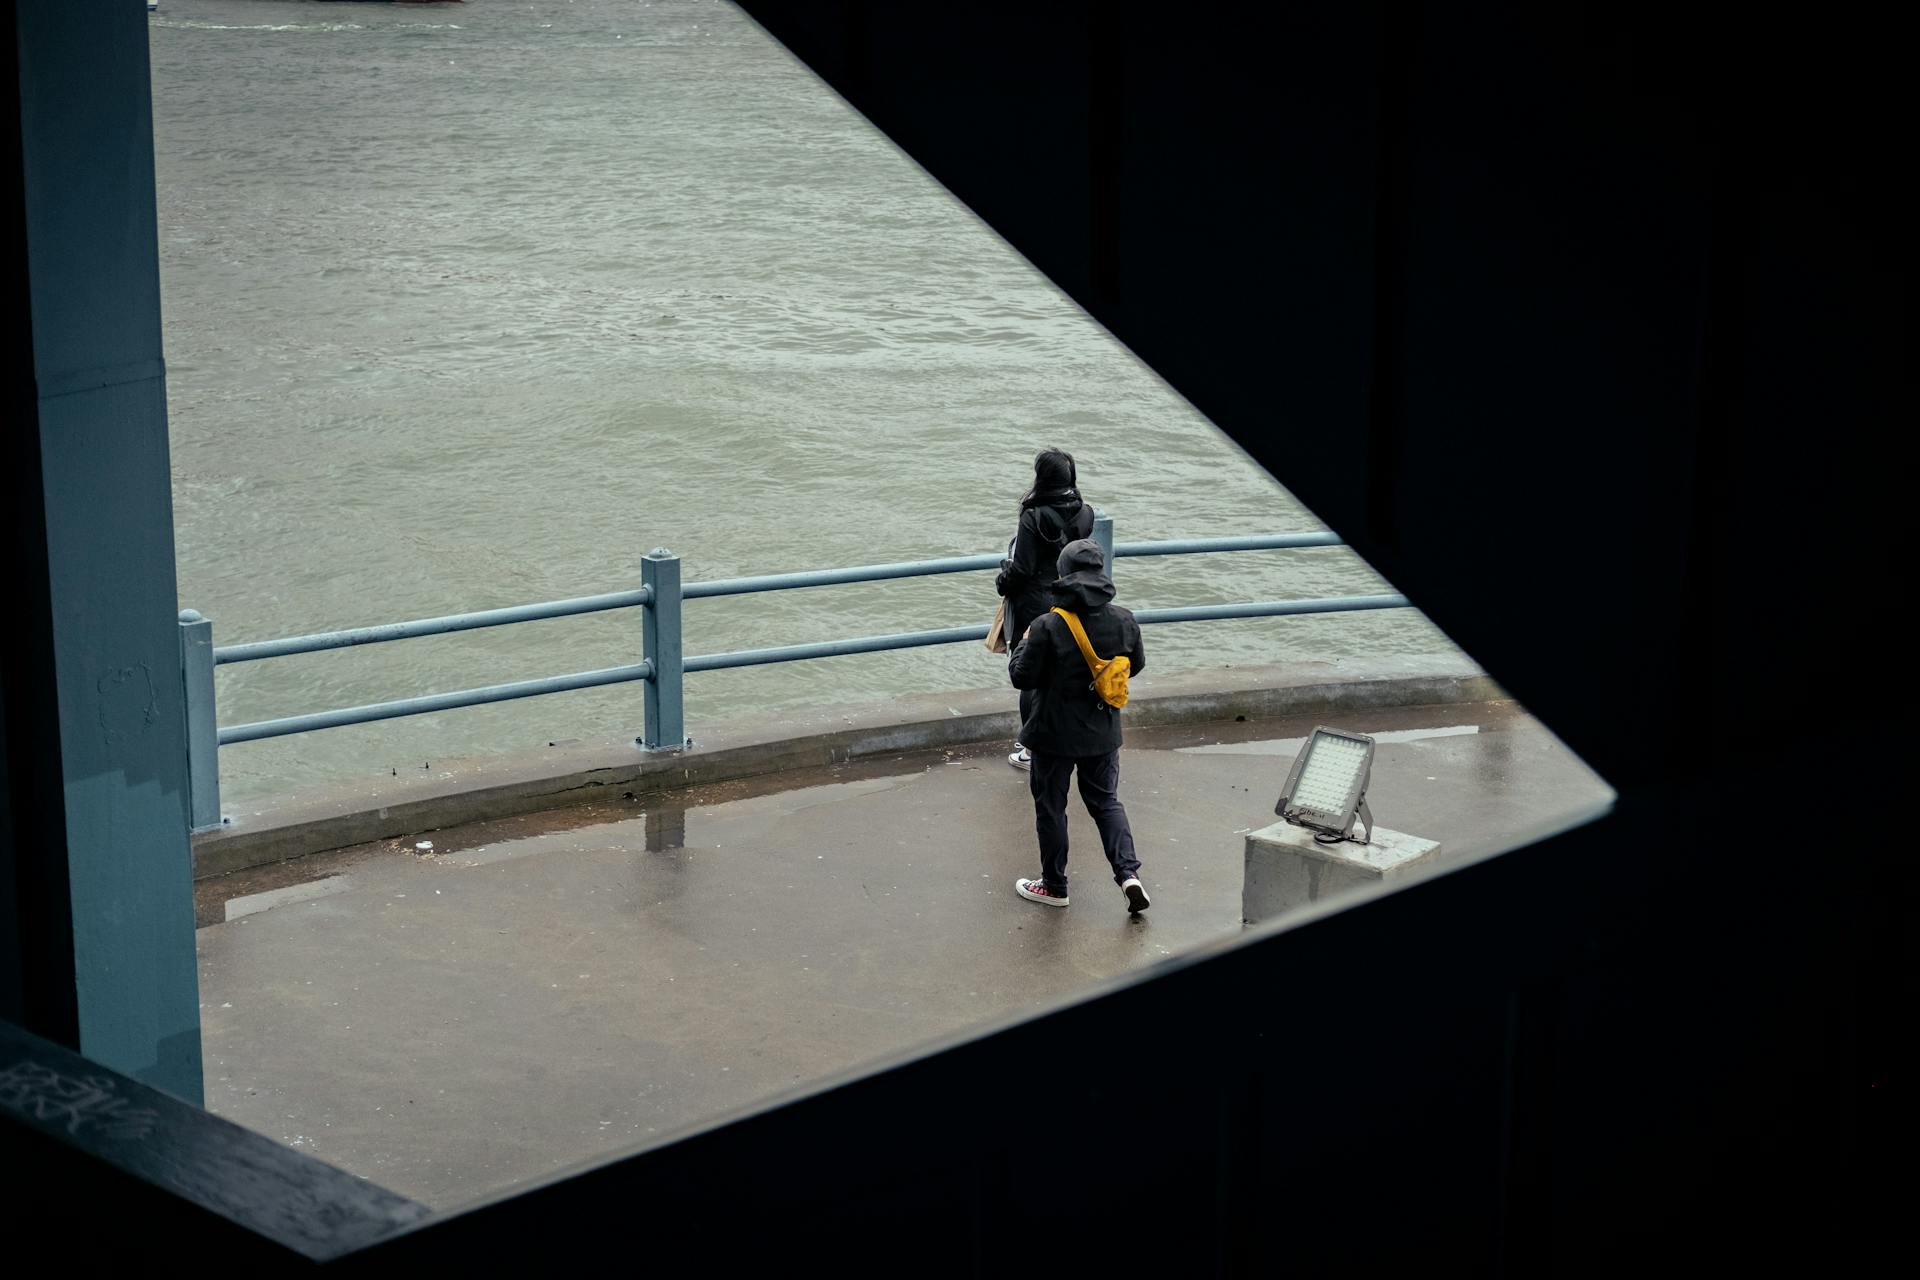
(663, 665)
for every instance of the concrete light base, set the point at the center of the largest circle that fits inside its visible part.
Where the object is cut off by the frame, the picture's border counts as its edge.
(1288, 868)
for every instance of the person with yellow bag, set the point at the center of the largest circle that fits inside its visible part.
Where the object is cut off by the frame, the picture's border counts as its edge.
(1072, 720)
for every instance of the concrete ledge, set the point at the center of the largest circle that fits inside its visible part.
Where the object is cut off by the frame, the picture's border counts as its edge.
(1288, 868)
(503, 786)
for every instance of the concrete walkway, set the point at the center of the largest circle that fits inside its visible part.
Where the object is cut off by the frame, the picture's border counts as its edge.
(541, 991)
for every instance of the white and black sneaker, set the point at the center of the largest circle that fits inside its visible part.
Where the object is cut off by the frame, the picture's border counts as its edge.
(1021, 757)
(1137, 899)
(1035, 891)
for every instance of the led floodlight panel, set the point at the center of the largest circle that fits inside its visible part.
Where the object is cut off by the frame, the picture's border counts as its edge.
(1328, 783)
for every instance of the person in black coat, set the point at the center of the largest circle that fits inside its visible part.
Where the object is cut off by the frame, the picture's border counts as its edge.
(1069, 726)
(1051, 516)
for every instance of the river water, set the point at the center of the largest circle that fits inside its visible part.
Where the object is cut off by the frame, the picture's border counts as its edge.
(470, 305)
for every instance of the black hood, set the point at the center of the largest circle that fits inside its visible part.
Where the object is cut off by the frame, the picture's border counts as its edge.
(1053, 514)
(1083, 583)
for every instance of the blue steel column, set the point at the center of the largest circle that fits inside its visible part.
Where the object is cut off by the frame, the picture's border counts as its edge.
(203, 728)
(1103, 534)
(114, 872)
(660, 644)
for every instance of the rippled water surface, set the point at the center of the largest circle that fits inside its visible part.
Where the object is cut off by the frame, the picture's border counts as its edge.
(472, 304)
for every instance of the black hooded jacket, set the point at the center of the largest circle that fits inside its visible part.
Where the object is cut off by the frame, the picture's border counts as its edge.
(1067, 717)
(1044, 532)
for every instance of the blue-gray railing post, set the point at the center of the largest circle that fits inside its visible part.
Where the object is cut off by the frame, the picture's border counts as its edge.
(1103, 534)
(203, 732)
(666, 727)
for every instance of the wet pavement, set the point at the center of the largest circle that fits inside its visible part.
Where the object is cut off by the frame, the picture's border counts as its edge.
(534, 993)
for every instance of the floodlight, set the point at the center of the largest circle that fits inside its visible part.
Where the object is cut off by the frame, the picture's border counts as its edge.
(1327, 786)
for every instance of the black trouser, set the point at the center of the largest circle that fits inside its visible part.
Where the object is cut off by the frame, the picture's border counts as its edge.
(1100, 789)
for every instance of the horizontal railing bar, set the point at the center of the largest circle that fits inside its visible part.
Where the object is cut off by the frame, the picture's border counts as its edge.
(970, 564)
(255, 650)
(1253, 542)
(1270, 609)
(436, 702)
(834, 648)
(836, 577)
(956, 635)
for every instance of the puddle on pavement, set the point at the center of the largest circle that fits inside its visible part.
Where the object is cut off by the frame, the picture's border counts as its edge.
(663, 823)
(1284, 735)
(664, 815)
(1291, 746)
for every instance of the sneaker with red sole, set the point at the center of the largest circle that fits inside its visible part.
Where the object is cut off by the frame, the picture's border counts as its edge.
(1137, 899)
(1034, 891)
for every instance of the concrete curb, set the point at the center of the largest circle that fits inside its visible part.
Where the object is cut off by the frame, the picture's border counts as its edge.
(499, 787)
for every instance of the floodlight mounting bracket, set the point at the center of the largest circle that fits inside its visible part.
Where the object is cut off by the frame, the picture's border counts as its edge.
(1332, 835)
(1365, 817)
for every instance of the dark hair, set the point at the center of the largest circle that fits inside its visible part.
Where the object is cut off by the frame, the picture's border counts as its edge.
(1054, 477)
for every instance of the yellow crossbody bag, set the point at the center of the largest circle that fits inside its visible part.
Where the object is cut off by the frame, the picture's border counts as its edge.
(1109, 674)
